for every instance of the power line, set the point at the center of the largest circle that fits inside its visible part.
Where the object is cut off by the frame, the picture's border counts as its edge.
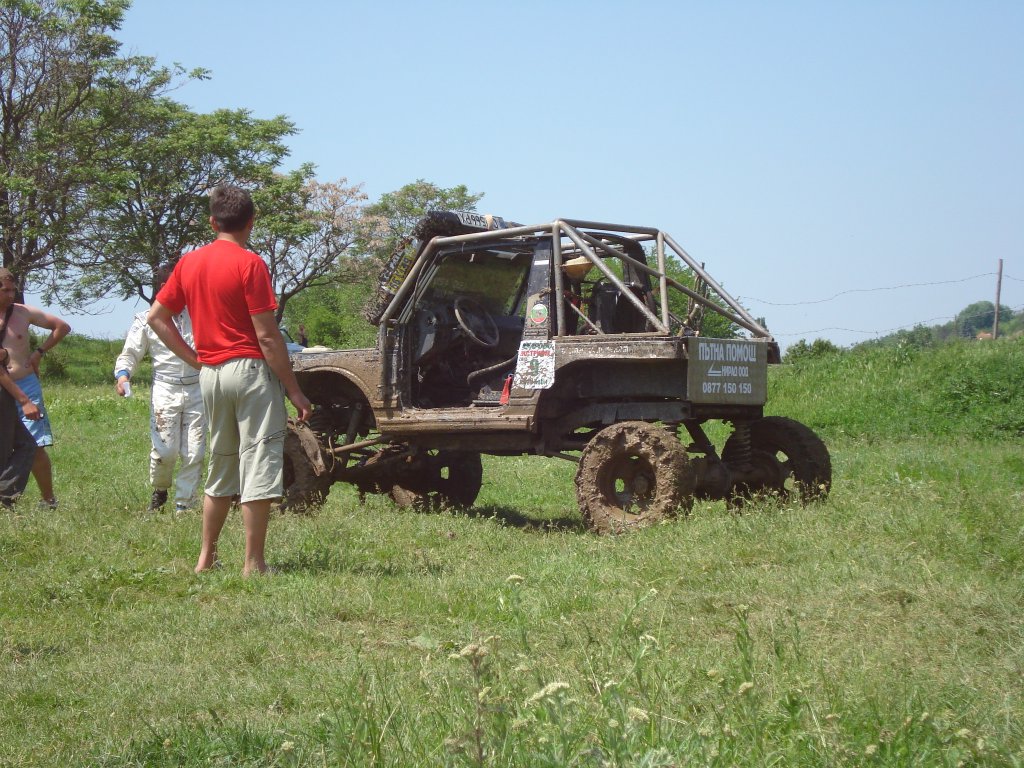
(871, 290)
(891, 330)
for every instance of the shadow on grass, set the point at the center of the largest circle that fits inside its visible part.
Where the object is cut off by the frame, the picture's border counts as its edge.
(323, 557)
(515, 519)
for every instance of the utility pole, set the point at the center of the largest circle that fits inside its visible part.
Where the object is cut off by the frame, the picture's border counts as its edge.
(999, 288)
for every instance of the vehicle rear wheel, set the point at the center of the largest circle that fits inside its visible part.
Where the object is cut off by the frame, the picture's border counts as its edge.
(787, 460)
(630, 475)
(304, 490)
(440, 478)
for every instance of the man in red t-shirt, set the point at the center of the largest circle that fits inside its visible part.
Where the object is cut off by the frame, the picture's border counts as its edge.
(244, 372)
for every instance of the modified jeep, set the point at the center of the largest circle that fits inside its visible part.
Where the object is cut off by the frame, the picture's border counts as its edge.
(576, 339)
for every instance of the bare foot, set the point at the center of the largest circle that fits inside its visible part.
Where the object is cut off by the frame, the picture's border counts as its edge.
(259, 570)
(207, 563)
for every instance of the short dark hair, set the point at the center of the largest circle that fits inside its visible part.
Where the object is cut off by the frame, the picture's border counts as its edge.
(162, 274)
(231, 207)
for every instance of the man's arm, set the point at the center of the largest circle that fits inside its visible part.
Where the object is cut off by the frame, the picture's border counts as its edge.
(136, 344)
(161, 320)
(276, 354)
(58, 330)
(30, 409)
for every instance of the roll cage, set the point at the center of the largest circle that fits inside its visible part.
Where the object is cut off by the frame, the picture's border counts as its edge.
(647, 287)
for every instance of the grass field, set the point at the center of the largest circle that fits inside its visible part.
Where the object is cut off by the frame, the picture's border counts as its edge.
(882, 627)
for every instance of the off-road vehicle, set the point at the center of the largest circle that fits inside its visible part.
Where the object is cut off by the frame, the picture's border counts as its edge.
(575, 339)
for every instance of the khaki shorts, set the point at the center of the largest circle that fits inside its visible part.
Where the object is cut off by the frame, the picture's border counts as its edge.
(248, 420)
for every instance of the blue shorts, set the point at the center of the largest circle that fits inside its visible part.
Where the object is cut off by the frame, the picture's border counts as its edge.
(40, 428)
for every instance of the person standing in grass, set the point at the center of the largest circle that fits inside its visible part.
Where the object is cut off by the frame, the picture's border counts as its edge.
(177, 422)
(244, 372)
(17, 448)
(23, 366)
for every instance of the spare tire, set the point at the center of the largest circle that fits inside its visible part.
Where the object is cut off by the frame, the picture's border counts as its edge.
(399, 263)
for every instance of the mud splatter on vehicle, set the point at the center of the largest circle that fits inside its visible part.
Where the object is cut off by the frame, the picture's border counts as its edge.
(572, 338)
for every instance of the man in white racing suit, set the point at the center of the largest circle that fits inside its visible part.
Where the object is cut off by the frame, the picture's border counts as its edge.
(177, 418)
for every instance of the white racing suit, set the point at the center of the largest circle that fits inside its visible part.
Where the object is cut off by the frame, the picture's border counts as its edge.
(177, 422)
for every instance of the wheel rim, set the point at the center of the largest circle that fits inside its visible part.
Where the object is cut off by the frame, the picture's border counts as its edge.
(630, 475)
(770, 477)
(628, 482)
(303, 489)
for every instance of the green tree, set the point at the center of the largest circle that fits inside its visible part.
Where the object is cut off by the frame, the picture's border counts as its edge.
(388, 223)
(62, 90)
(155, 205)
(979, 317)
(332, 315)
(818, 348)
(306, 232)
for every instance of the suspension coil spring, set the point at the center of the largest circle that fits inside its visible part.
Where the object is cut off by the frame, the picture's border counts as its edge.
(742, 453)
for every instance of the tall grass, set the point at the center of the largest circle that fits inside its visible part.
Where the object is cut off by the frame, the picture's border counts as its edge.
(883, 627)
(971, 389)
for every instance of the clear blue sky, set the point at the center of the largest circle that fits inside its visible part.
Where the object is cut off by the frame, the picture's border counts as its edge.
(800, 149)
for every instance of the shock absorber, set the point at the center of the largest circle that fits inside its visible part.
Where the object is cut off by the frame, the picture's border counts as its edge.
(740, 457)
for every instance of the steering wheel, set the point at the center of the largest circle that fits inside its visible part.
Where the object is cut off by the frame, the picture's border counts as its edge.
(476, 323)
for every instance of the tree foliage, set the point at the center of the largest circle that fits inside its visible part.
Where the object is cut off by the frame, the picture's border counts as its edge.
(62, 91)
(818, 348)
(979, 317)
(332, 315)
(155, 204)
(388, 223)
(306, 230)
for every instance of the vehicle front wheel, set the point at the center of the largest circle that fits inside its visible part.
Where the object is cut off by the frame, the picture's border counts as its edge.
(631, 475)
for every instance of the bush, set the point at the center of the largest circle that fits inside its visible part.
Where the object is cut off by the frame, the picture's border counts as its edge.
(819, 348)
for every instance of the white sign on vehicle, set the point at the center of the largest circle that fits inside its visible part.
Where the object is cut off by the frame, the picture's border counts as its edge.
(472, 219)
(535, 366)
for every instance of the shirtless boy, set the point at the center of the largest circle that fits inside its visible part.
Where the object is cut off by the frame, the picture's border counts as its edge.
(23, 367)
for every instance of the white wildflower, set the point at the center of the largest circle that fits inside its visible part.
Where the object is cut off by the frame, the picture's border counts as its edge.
(547, 692)
(638, 715)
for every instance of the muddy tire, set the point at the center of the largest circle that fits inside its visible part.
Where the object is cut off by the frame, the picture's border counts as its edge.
(439, 479)
(789, 459)
(304, 490)
(631, 475)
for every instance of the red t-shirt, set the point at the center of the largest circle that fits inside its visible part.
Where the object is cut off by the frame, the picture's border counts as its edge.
(223, 285)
